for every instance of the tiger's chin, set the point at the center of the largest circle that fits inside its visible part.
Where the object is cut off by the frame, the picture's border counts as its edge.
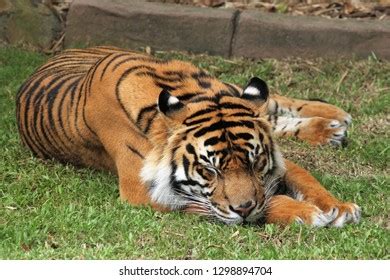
(232, 219)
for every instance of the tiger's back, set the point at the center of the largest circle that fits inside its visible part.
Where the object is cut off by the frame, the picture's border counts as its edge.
(56, 106)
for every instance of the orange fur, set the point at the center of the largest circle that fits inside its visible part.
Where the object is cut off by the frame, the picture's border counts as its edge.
(206, 147)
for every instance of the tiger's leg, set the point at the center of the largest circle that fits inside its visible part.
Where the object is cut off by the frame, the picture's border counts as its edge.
(315, 130)
(285, 210)
(309, 191)
(281, 105)
(131, 188)
(312, 121)
(118, 138)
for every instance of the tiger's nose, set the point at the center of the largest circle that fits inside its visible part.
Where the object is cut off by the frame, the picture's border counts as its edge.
(244, 209)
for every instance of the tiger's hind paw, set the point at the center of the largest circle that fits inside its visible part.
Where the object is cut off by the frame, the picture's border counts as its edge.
(327, 111)
(320, 131)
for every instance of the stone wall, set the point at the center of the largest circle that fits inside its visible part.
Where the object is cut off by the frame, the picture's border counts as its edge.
(26, 22)
(227, 32)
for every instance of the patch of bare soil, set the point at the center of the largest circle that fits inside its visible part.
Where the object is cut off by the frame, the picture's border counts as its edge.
(373, 9)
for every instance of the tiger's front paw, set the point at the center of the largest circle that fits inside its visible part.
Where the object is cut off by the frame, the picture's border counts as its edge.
(337, 216)
(316, 217)
(320, 131)
(285, 210)
(347, 213)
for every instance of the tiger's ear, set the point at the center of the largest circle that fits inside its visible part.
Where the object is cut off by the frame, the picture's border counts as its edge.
(256, 91)
(171, 106)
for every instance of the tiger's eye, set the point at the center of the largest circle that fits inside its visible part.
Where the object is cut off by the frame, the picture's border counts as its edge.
(260, 164)
(207, 173)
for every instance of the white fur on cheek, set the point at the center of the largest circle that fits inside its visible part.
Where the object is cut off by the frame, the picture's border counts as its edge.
(158, 175)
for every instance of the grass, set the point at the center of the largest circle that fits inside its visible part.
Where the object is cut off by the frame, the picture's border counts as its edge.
(51, 211)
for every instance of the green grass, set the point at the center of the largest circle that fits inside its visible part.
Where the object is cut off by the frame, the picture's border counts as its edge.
(51, 211)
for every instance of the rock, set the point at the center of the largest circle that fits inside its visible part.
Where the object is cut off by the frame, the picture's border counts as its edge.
(138, 24)
(250, 33)
(273, 35)
(24, 22)
(5, 6)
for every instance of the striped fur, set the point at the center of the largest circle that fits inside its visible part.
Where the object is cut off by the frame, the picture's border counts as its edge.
(176, 137)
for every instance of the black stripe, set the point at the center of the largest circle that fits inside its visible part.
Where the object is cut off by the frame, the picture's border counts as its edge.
(232, 89)
(198, 121)
(242, 114)
(38, 126)
(109, 63)
(25, 126)
(239, 149)
(199, 75)
(121, 79)
(222, 125)
(52, 94)
(232, 136)
(186, 165)
(67, 91)
(144, 111)
(192, 128)
(180, 74)
(249, 145)
(223, 93)
(215, 140)
(149, 122)
(158, 77)
(199, 113)
(204, 84)
(261, 137)
(64, 66)
(164, 86)
(140, 66)
(135, 151)
(82, 93)
(200, 99)
(212, 141)
(245, 136)
(132, 57)
(190, 149)
(91, 74)
(230, 105)
(189, 95)
(143, 114)
(276, 107)
(190, 182)
(51, 97)
(205, 158)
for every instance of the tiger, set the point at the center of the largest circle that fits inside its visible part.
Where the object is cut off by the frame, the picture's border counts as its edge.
(180, 139)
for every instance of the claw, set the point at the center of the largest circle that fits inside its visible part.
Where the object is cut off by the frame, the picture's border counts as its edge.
(334, 124)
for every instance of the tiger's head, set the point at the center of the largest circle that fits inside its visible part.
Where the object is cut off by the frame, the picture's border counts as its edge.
(215, 155)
